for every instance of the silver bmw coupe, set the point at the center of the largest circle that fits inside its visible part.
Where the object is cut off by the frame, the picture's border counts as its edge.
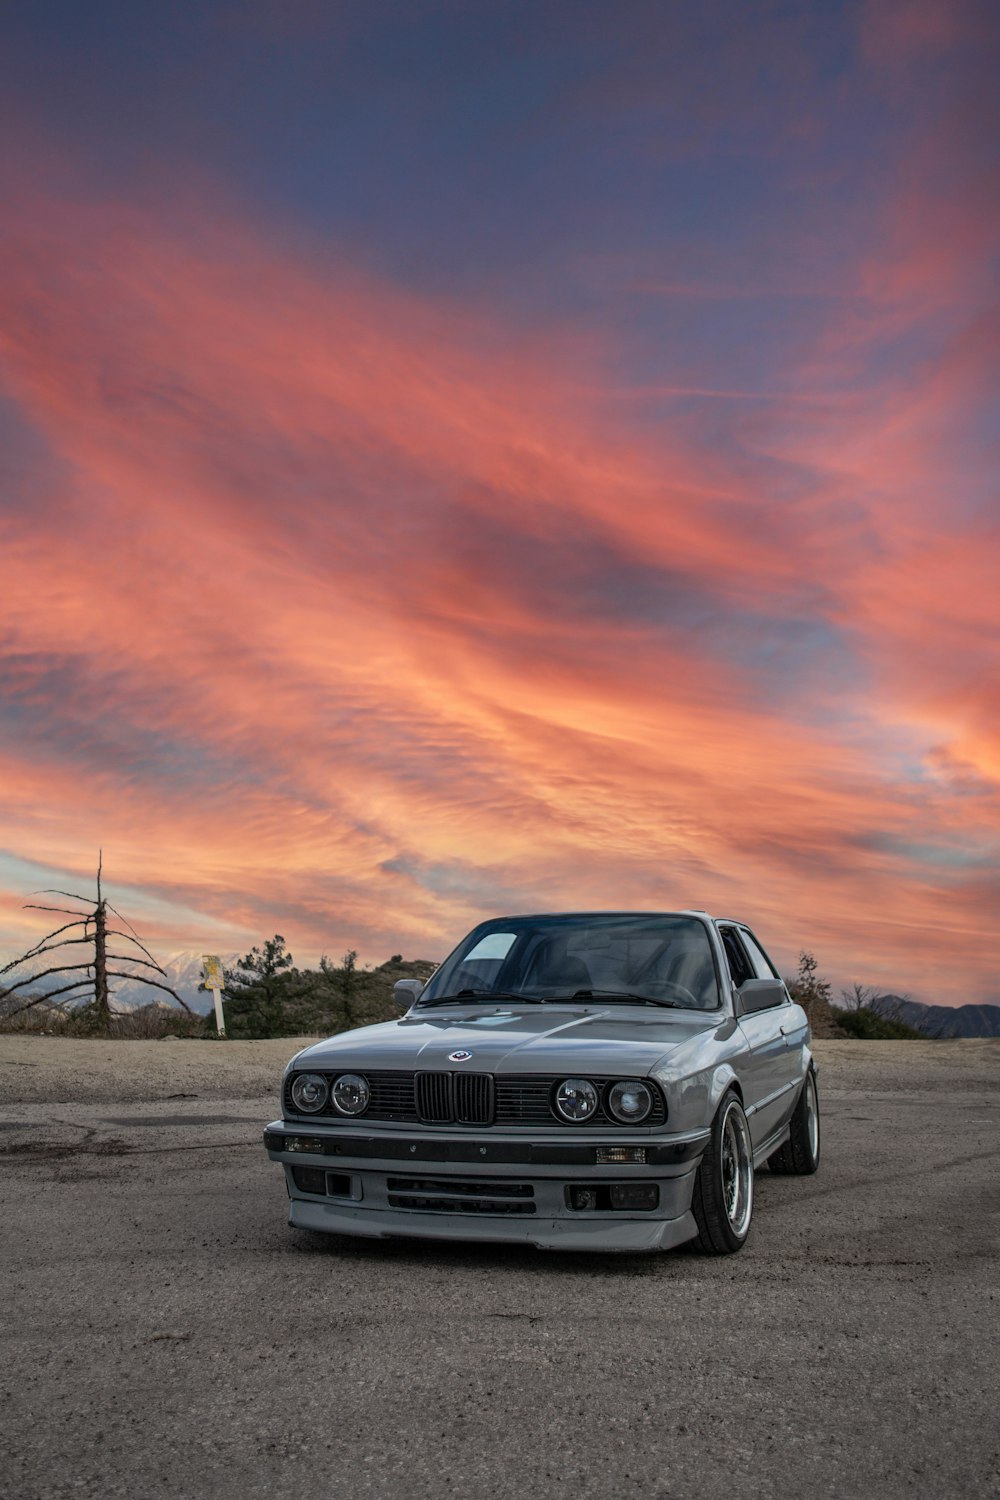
(580, 1081)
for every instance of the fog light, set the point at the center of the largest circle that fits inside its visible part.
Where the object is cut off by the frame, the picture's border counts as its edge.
(309, 1179)
(639, 1195)
(582, 1197)
(611, 1154)
(312, 1143)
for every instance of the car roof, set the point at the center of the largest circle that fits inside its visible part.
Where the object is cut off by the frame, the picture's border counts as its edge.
(539, 916)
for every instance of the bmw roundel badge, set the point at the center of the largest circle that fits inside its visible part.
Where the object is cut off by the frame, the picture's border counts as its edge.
(459, 1056)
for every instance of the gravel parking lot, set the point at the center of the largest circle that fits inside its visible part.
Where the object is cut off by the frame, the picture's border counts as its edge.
(165, 1334)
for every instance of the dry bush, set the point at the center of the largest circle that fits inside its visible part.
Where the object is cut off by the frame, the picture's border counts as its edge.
(148, 1023)
(41, 1020)
(158, 1020)
(825, 1021)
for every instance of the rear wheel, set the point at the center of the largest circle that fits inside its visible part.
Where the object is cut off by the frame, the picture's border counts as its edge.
(722, 1202)
(799, 1156)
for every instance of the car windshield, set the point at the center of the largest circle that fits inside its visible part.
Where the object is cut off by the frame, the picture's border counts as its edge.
(612, 957)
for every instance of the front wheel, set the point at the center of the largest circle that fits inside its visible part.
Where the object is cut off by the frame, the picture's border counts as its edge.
(799, 1156)
(722, 1202)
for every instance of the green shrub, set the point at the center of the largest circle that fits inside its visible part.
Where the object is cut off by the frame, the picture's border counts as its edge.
(868, 1026)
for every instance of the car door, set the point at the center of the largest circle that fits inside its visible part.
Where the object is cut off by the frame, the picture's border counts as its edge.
(769, 1081)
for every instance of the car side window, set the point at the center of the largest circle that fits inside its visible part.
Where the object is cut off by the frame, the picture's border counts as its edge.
(739, 965)
(763, 967)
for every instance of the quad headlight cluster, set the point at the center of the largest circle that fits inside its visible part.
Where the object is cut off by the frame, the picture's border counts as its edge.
(630, 1101)
(349, 1093)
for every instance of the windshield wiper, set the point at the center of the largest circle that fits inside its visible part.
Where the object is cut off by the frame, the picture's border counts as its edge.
(619, 995)
(477, 995)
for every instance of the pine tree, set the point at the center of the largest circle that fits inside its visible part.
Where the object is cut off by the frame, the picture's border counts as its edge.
(255, 990)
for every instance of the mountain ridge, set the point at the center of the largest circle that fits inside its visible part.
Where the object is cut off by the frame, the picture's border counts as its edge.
(941, 1021)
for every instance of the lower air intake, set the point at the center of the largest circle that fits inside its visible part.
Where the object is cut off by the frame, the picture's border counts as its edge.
(456, 1196)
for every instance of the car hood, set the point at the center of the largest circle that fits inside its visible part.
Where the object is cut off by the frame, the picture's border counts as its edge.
(542, 1039)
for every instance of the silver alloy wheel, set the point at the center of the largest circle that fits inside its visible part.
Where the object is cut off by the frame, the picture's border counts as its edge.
(736, 1161)
(812, 1116)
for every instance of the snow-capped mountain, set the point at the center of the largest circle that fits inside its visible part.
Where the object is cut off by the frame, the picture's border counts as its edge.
(183, 975)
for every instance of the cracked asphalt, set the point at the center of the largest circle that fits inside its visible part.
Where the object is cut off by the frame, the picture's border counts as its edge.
(164, 1334)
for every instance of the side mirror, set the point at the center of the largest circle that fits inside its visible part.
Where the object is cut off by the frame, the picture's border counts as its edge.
(759, 994)
(405, 991)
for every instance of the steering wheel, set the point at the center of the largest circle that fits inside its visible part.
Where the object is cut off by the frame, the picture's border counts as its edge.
(680, 989)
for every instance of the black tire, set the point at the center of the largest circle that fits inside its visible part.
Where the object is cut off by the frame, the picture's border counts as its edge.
(722, 1202)
(799, 1156)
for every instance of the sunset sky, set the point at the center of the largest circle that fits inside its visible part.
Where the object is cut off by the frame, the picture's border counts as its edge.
(472, 456)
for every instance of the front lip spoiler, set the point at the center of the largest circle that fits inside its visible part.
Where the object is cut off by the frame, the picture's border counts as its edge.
(621, 1236)
(477, 1150)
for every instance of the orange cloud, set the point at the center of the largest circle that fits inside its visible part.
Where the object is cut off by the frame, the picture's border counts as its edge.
(340, 614)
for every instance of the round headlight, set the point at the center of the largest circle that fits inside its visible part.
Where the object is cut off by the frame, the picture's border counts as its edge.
(309, 1092)
(630, 1101)
(350, 1094)
(576, 1099)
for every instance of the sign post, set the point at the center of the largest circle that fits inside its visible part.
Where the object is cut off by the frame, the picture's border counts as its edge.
(213, 980)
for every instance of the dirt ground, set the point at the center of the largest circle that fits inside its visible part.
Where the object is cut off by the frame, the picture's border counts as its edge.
(164, 1334)
(49, 1070)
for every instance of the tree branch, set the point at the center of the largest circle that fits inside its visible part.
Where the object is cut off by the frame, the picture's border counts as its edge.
(135, 936)
(52, 891)
(141, 979)
(41, 999)
(39, 948)
(47, 948)
(34, 978)
(33, 906)
(62, 1004)
(126, 958)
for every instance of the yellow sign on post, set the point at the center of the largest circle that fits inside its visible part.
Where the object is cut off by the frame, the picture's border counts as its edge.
(212, 969)
(214, 979)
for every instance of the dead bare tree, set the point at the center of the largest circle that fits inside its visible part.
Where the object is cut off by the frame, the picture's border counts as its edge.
(860, 997)
(96, 931)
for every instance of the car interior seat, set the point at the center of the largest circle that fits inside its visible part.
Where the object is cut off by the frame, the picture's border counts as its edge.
(695, 972)
(555, 967)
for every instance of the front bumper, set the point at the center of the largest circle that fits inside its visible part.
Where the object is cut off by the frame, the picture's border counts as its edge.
(380, 1185)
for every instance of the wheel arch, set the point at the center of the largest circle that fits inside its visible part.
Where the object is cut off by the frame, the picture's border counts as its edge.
(724, 1079)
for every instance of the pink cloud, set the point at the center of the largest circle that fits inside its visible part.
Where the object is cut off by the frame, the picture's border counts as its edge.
(290, 655)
